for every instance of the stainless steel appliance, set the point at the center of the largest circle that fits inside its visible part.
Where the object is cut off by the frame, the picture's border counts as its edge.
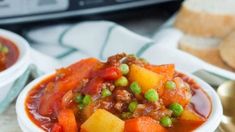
(15, 11)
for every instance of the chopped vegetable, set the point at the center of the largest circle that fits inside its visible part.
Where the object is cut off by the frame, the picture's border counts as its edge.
(110, 73)
(81, 106)
(4, 49)
(166, 121)
(67, 120)
(57, 128)
(86, 100)
(189, 115)
(93, 87)
(167, 70)
(143, 124)
(132, 106)
(177, 109)
(124, 69)
(126, 115)
(102, 121)
(151, 95)
(121, 82)
(135, 88)
(67, 99)
(170, 85)
(78, 98)
(181, 94)
(105, 92)
(78, 72)
(145, 78)
(93, 96)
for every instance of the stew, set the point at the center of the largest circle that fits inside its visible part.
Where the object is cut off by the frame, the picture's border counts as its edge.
(9, 53)
(125, 94)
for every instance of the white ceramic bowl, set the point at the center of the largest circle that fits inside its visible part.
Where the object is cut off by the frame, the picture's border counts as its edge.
(11, 74)
(209, 126)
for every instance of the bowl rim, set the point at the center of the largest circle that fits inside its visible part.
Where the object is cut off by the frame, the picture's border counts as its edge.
(24, 54)
(210, 125)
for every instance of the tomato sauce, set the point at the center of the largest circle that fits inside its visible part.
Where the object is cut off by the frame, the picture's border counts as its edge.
(199, 103)
(9, 53)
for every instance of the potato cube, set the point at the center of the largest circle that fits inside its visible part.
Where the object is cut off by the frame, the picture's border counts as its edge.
(146, 79)
(103, 121)
(189, 115)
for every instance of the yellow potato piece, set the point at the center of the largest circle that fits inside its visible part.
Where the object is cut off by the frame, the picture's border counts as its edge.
(145, 78)
(188, 115)
(103, 121)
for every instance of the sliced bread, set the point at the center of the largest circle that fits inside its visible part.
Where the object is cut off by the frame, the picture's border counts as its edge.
(227, 49)
(208, 18)
(204, 48)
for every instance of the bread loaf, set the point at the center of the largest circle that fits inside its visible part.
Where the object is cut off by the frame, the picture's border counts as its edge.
(208, 18)
(204, 48)
(227, 49)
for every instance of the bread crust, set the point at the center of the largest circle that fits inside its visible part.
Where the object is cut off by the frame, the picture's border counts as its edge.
(227, 49)
(204, 24)
(208, 54)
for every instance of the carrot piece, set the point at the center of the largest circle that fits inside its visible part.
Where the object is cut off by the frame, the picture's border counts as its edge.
(67, 120)
(79, 71)
(167, 70)
(143, 124)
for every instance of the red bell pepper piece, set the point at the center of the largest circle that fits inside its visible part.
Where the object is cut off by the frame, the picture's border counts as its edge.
(110, 73)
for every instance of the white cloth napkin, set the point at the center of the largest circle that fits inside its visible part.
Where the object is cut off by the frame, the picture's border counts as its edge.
(68, 43)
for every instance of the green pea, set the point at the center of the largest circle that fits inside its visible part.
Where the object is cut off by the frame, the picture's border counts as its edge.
(166, 121)
(78, 98)
(86, 100)
(170, 85)
(105, 92)
(132, 106)
(151, 95)
(135, 88)
(122, 82)
(126, 115)
(177, 109)
(124, 69)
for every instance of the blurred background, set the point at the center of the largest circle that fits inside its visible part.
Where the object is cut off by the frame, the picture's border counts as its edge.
(141, 16)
